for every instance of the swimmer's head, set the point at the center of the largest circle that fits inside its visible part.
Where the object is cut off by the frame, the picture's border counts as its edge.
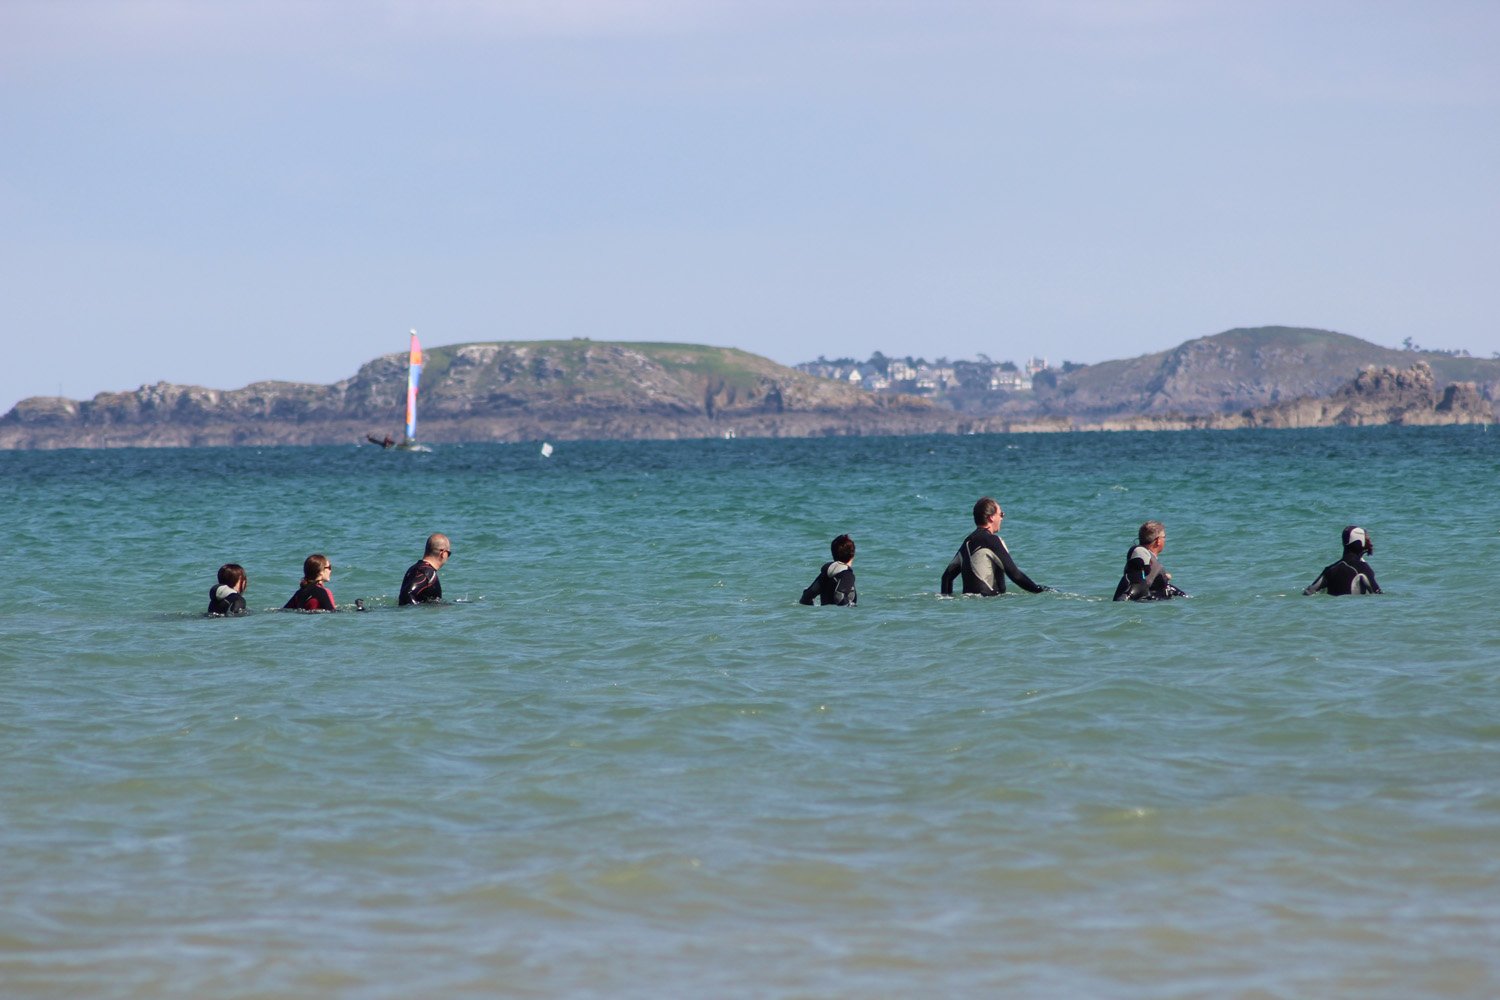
(842, 549)
(984, 509)
(233, 575)
(1355, 536)
(313, 567)
(1150, 532)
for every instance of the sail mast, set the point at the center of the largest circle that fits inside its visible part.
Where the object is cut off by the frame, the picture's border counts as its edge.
(413, 376)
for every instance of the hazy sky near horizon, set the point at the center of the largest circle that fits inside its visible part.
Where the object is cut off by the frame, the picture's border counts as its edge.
(218, 193)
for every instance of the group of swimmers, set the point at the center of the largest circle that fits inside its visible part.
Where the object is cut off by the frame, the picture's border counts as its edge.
(984, 562)
(419, 586)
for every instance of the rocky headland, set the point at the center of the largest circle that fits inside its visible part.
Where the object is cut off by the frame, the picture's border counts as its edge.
(583, 389)
(1385, 395)
(553, 390)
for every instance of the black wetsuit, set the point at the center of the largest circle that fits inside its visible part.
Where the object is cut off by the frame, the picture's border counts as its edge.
(225, 600)
(1350, 575)
(420, 584)
(311, 597)
(985, 562)
(834, 585)
(1144, 578)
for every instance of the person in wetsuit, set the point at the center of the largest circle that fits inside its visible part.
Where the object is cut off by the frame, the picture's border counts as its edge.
(421, 584)
(226, 597)
(983, 559)
(1144, 578)
(1351, 574)
(314, 594)
(835, 581)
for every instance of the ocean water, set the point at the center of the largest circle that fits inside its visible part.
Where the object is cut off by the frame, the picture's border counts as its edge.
(624, 762)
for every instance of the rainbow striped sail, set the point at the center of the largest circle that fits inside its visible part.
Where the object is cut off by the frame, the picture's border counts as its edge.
(413, 376)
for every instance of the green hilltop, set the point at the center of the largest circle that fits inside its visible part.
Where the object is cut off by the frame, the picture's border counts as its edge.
(463, 379)
(584, 362)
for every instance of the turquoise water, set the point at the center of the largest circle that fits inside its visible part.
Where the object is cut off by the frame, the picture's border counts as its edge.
(624, 762)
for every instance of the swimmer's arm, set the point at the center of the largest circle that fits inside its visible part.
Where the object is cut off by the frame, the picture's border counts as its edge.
(1014, 572)
(954, 568)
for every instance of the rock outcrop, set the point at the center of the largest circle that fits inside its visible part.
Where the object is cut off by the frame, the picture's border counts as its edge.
(1385, 395)
(1375, 396)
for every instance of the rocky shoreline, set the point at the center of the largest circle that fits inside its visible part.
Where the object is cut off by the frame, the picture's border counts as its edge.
(565, 391)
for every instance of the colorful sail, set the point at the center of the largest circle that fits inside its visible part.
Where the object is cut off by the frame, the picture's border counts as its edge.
(413, 376)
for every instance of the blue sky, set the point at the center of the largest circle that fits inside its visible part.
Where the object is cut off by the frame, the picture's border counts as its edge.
(218, 193)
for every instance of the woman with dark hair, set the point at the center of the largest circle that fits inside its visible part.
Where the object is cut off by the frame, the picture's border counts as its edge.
(313, 595)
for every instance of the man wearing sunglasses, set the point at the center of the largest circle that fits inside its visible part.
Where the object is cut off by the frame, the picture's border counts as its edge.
(983, 560)
(421, 583)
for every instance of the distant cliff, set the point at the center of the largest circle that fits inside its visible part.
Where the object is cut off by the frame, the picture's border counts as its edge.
(583, 389)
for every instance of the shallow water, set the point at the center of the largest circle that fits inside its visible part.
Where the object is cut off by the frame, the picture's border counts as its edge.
(624, 762)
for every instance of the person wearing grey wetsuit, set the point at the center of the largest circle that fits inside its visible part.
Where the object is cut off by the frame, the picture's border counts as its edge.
(1145, 579)
(227, 597)
(834, 583)
(983, 561)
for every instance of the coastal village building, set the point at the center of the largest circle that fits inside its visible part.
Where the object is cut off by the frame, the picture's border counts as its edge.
(1009, 381)
(900, 371)
(905, 375)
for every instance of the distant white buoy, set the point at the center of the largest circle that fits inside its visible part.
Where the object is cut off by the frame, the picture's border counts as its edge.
(546, 450)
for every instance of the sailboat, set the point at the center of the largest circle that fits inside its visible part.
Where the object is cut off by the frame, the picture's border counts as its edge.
(413, 378)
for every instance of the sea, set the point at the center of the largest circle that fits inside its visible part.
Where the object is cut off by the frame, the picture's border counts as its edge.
(621, 760)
